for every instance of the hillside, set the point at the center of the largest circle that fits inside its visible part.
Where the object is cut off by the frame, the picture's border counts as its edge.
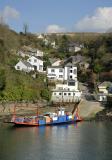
(19, 86)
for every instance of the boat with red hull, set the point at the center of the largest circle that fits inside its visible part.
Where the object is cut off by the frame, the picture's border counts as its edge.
(51, 118)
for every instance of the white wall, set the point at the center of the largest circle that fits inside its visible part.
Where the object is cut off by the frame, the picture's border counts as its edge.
(36, 62)
(20, 66)
(40, 53)
(66, 73)
(66, 87)
(66, 96)
(77, 49)
(69, 75)
(56, 74)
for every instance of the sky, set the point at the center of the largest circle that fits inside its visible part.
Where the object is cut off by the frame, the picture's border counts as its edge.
(57, 15)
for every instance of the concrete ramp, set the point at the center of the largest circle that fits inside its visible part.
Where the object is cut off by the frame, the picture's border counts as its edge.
(88, 109)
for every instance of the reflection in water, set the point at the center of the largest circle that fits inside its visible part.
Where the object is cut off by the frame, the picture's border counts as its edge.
(83, 141)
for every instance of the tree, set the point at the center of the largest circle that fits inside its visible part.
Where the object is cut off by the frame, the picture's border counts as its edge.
(46, 94)
(25, 28)
(63, 48)
(2, 80)
(46, 62)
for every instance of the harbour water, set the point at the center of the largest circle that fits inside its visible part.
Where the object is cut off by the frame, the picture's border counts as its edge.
(82, 141)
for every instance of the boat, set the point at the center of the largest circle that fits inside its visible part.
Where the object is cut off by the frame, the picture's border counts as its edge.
(49, 118)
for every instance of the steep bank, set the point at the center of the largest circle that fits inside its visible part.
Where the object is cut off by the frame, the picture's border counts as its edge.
(89, 109)
(104, 115)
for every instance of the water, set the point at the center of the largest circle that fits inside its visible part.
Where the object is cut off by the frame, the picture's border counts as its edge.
(84, 141)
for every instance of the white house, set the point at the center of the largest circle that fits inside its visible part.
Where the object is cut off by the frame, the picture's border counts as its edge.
(74, 47)
(103, 87)
(24, 66)
(46, 42)
(69, 72)
(101, 97)
(40, 36)
(36, 62)
(39, 53)
(67, 92)
(53, 44)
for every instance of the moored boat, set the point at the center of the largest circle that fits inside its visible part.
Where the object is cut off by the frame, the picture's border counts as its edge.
(51, 118)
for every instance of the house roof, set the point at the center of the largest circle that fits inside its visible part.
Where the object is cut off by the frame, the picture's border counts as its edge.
(69, 64)
(37, 57)
(55, 67)
(105, 84)
(26, 63)
(75, 44)
(78, 58)
(53, 60)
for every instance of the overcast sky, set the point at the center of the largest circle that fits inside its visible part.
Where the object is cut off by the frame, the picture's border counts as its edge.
(57, 15)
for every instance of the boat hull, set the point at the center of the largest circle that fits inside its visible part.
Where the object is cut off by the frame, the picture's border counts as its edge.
(47, 124)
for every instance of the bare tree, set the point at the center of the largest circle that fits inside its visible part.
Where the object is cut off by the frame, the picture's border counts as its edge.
(25, 28)
(2, 21)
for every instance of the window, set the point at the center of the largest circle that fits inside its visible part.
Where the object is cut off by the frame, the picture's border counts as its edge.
(69, 94)
(60, 76)
(64, 94)
(70, 77)
(18, 67)
(54, 94)
(60, 94)
(74, 94)
(71, 83)
(75, 71)
(71, 71)
(40, 67)
(35, 60)
(60, 70)
(52, 70)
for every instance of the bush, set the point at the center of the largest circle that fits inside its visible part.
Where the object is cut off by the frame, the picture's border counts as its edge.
(46, 94)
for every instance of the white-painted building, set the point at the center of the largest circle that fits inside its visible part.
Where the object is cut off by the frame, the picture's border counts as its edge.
(36, 62)
(24, 66)
(40, 36)
(103, 87)
(101, 97)
(69, 72)
(53, 44)
(46, 42)
(39, 53)
(66, 92)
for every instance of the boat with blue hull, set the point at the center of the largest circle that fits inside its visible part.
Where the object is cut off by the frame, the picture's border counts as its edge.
(50, 118)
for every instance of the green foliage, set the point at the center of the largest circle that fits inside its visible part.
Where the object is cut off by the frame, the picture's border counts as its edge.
(63, 45)
(46, 94)
(46, 61)
(2, 79)
(98, 68)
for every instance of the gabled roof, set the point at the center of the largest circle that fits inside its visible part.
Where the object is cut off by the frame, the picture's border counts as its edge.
(37, 57)
(105, 84)
(69, 64)
(75, 44)
(75, 59)
(26, 63)
(53, 60)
